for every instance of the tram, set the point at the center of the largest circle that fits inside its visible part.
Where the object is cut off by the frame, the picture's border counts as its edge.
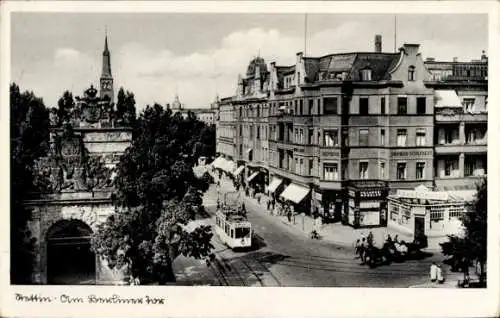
(234, 230)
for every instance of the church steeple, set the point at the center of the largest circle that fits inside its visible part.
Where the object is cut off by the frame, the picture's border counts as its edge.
(106, 60)
(106, 77)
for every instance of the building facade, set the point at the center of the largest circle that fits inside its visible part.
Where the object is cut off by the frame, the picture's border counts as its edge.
(342, 131)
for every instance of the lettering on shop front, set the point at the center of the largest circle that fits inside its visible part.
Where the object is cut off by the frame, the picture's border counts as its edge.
(411, 153)
(368, 194)
(330, 154)
(298, 149)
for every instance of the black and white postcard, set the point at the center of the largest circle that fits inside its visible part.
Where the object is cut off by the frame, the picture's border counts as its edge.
(165, 158)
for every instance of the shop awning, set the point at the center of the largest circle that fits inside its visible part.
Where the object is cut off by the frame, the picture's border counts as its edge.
(229, 166)
(252, 176)
(295, 193)
(217, 163)
(447, 98)
(275, 183)
(239, 170)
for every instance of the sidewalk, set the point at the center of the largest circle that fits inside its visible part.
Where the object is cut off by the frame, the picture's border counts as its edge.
(338, 233)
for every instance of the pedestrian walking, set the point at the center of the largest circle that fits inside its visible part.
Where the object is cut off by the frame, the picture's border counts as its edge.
(433, 272)
(362, 250)
(439, 274)
(357, 246)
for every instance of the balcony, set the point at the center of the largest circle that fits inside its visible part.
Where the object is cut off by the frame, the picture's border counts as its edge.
(459, 148)
(458, 115)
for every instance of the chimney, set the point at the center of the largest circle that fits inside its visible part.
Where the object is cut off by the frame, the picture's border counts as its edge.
(455, 59)
(378, 43)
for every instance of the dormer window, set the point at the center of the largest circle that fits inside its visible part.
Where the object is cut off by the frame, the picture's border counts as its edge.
(366, 74)
(411, 73)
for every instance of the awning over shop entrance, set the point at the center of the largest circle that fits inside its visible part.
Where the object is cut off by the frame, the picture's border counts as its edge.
(275, 183)
(252, 176)
(239, 170)
(295, 193)
(218, 162)
(229, 166)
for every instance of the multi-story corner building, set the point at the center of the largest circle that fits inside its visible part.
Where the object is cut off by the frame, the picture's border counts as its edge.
(461, 122)
(337, 133)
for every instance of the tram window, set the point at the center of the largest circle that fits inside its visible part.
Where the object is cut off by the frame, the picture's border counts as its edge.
(242, 232)
(232, 233)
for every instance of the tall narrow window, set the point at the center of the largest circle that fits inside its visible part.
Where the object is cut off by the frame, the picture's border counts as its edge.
(421, 105)
(331, 138)
(296, 134)
(382, 105)
(311, 162)
(363, 106)
(366, 74)
(411, 73)
(469, 104)
(363, 170)
(401, 138)
(420, 168)
(382, 137)
(257, 128)
(363, 137)
(310, 136)
(401, 171)
(402, 106)
(382, 170)
(420, 137)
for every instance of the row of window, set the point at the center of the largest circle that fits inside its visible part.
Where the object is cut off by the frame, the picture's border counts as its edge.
(331, 137)
(330, 171)
(330, 107)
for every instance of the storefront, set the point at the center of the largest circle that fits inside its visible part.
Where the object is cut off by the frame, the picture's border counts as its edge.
(434, 213)
(365, 205)
(256, 180)
(328, 203)
(297, 195)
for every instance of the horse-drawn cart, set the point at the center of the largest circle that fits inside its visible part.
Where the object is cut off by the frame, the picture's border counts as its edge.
(393, 251)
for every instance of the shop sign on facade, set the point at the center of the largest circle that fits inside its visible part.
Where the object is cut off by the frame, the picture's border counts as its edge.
(370, 194)
(423, 195)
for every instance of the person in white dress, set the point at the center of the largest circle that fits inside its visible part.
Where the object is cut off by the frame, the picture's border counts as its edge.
(433, 272)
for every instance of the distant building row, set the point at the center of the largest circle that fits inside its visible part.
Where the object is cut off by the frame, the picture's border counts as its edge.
(345, 130)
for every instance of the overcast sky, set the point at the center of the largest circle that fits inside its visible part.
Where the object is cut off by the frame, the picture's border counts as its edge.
(199, 55)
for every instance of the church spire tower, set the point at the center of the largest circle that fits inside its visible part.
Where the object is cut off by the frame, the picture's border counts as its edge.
(106, 80)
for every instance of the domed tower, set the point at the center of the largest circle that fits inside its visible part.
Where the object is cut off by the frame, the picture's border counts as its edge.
(257, 62)
(176, 105)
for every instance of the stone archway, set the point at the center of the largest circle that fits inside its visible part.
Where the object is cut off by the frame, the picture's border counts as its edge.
(69, 258)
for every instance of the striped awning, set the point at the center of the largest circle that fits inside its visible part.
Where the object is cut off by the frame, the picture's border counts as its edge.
(295, 193)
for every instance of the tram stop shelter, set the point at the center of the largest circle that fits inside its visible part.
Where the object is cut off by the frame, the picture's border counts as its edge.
(435, 213)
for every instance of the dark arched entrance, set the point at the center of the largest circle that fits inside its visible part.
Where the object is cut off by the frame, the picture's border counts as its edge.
(69, 258)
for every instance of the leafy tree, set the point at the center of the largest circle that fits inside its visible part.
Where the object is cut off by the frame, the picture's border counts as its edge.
(66, 105)
(473, 244)
(156, 191)
(125, 107)
(29, 131)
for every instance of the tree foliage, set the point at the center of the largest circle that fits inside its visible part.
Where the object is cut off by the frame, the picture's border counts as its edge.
(473, 244)
(125, 107)
(29, 136)
(66, 105)
(156, 192)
